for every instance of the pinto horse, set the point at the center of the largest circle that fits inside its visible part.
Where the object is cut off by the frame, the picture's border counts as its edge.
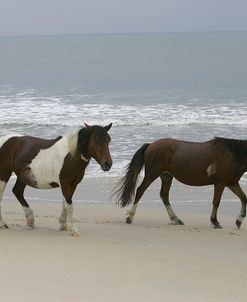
(219, 162)
(45, 164)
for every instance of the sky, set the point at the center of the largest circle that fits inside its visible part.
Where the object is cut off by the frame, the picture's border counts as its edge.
(42, 17)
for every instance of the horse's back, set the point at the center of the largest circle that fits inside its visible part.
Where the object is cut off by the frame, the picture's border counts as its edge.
(8, 146)
(176, 147)
(5, 138)
(21, 147)
(170, 147)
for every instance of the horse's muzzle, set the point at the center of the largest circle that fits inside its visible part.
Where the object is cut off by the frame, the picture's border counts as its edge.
(106, 166)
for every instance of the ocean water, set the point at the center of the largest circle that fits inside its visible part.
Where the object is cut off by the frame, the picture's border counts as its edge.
(189, 86)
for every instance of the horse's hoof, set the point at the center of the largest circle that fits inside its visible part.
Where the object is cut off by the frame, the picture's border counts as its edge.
(64, 228)
(218, 226)
(128, 220)
(238, 223)
(179, 222)
(31, 226)
(30, 223)
(4, 226)
(75, 234)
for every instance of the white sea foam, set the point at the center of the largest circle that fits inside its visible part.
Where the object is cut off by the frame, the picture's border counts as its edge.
(28, 108)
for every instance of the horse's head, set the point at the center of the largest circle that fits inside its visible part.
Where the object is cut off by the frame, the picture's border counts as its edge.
(93, 141)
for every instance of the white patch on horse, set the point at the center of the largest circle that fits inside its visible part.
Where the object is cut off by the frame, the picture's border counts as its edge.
(64, 217)
(46, 166)
(4, 139)
(131, 213)
(71, 225)
(84, 158)
(72, 142)
(170, 212)
(211, 170)
(29, 216)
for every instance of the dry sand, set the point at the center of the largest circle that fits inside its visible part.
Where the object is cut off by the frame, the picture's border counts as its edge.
(149, 260)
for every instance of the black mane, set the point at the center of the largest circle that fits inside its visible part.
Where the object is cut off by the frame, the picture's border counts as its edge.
(237, 147)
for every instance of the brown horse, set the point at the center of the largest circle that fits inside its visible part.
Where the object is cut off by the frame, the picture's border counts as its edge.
(45, 164)
(220, 162)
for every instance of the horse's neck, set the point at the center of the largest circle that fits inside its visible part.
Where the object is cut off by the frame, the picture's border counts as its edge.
(72, 141)
(85, 159)
(78, 160)
(242, 161)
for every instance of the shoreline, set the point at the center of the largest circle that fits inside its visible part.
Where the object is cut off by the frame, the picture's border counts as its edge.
(100, 189)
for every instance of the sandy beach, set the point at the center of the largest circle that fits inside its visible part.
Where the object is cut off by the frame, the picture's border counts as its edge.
(150, 260)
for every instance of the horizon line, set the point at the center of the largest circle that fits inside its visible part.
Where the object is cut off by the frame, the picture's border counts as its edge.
(119, 33)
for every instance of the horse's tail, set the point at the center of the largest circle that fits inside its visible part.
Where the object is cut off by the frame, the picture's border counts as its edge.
(126, 187)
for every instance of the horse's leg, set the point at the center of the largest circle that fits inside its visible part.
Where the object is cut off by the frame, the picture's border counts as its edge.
(2, 187)
(18, 191)
(64, 217)
(218, 190)
(68, 190)
(139, 192)
(166, 179)
(236, 189)
(4, 178)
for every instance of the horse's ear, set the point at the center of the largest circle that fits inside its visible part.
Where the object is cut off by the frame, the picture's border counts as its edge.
(87, 125)
(108, 127)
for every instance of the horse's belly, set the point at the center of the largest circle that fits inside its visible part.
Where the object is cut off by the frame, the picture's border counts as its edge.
(52, 183)
(40, 180)
(192, 177)
(191, 181)
(43, 176)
